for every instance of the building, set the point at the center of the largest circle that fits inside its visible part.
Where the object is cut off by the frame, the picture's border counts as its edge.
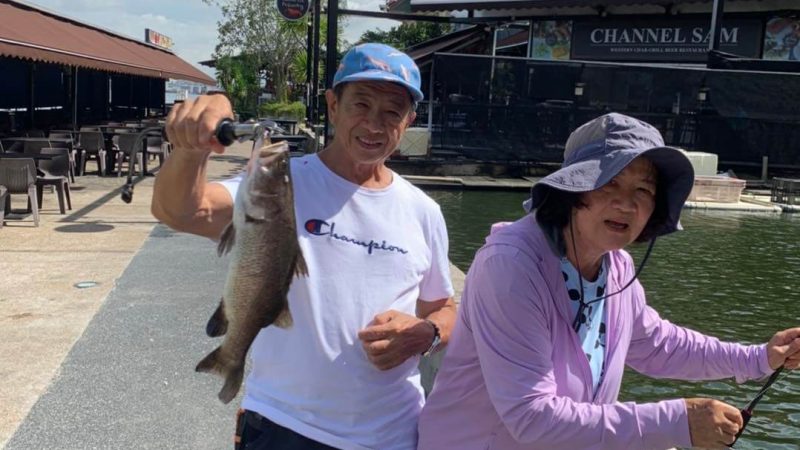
(553, 64)
(57, 72)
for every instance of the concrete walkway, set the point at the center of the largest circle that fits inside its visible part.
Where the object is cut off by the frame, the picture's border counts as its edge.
(129, 381)
(112, 366)
(42, 314)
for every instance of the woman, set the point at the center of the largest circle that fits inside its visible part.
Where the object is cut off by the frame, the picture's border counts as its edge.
(537, 355)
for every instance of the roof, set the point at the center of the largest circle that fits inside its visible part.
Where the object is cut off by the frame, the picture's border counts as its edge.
(29, 32)
(451, 42)
(451, 5)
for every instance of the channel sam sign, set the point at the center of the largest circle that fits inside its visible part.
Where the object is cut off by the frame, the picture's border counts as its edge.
(661, 40)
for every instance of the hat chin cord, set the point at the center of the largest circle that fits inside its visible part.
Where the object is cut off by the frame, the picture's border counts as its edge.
(582, 307)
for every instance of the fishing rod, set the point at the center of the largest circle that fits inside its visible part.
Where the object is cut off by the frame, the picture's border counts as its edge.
(747, 412)
(226, 133)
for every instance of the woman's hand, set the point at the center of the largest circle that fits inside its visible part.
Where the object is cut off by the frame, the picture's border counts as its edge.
(784, 349)
(712, 423)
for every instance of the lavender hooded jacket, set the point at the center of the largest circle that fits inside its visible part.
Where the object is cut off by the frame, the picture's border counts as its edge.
(515, 377)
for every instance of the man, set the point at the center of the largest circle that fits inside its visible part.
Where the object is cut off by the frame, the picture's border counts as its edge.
(344, 376)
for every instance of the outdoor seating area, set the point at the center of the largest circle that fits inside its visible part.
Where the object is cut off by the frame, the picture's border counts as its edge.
(33, 162)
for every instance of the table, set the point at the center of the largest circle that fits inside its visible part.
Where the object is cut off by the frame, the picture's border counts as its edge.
(19, 144)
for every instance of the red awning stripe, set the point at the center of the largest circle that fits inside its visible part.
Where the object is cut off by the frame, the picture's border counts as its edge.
(32, 34)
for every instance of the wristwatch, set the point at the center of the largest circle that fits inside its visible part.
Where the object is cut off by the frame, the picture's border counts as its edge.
(437, 339)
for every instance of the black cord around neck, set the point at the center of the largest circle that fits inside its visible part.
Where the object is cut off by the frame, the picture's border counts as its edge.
(582, 306)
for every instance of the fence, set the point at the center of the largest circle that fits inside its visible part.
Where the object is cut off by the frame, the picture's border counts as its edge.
(517, 109)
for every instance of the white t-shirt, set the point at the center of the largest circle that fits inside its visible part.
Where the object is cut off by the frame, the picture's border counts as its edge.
(367, 251)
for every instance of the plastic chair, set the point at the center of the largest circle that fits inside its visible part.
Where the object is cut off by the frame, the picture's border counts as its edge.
(128, 142)
(155, 146)
(18, 175)
(33, 147)
(93, 146)
(3, 195)
(71, 152)
(55, 172)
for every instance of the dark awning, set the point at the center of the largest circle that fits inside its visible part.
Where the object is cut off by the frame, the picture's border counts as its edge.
(450, 5)
(450, 43)
(30, 33)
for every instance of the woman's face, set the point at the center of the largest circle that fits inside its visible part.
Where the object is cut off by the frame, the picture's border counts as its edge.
(615, 214)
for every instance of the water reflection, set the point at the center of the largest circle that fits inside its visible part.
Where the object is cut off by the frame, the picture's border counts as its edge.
(730, 275)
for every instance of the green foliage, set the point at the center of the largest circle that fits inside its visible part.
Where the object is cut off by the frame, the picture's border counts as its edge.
(279, 110)
(407, 34)
(239, 77)
(274, 47)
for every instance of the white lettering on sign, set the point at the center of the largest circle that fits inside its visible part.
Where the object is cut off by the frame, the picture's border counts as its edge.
(659, 36)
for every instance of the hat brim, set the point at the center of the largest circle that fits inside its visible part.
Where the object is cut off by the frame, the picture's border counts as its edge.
(379, 75)
(675, 173)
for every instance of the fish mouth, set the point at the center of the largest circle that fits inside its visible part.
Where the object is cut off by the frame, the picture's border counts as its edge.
(267, 155)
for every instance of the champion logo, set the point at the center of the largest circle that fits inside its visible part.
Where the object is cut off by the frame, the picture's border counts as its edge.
(319, 227)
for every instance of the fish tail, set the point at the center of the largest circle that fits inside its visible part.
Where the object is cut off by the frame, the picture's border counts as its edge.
(212, 363)
(215, 363)
(232, 384)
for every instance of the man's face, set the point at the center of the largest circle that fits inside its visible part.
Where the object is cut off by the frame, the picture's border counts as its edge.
(370, 119)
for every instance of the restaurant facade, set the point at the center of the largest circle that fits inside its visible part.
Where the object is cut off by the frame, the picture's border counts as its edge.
(57, 72)
(556, 64)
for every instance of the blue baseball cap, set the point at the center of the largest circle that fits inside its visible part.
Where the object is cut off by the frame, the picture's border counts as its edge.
(379, 62)
(600, 149)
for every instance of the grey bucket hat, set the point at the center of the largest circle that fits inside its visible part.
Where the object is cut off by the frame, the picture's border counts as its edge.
(600, 149)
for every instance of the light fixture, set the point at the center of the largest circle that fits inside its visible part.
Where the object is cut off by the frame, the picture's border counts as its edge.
(702, 94)
(579, 89)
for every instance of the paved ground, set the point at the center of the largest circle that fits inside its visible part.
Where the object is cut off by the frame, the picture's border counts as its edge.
(111, 366)
(129, 381)
(42, 314)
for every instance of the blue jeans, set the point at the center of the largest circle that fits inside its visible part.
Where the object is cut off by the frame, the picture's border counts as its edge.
(256, 432)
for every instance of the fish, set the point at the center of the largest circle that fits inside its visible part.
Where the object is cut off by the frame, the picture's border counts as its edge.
(265, 257)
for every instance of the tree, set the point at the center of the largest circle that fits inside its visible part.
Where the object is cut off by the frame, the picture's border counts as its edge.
(240, 79)
(273, 46)
(255, 28)
(407, 34)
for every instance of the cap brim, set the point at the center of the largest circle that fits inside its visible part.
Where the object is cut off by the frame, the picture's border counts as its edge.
(379, 75)
(674, 169)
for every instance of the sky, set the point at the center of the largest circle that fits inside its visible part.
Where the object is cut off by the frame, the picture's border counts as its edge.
(191, 24)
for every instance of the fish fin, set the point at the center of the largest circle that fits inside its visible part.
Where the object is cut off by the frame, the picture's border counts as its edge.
(300, 267)
(211, 363)
(284, 319)
(233, 375)
(226, 239)
(218, 323)
(232, 384)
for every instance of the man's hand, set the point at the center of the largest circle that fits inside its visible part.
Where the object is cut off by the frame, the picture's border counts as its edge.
(712, 423)
(191, 125)
(392, 337)
(784, 349)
